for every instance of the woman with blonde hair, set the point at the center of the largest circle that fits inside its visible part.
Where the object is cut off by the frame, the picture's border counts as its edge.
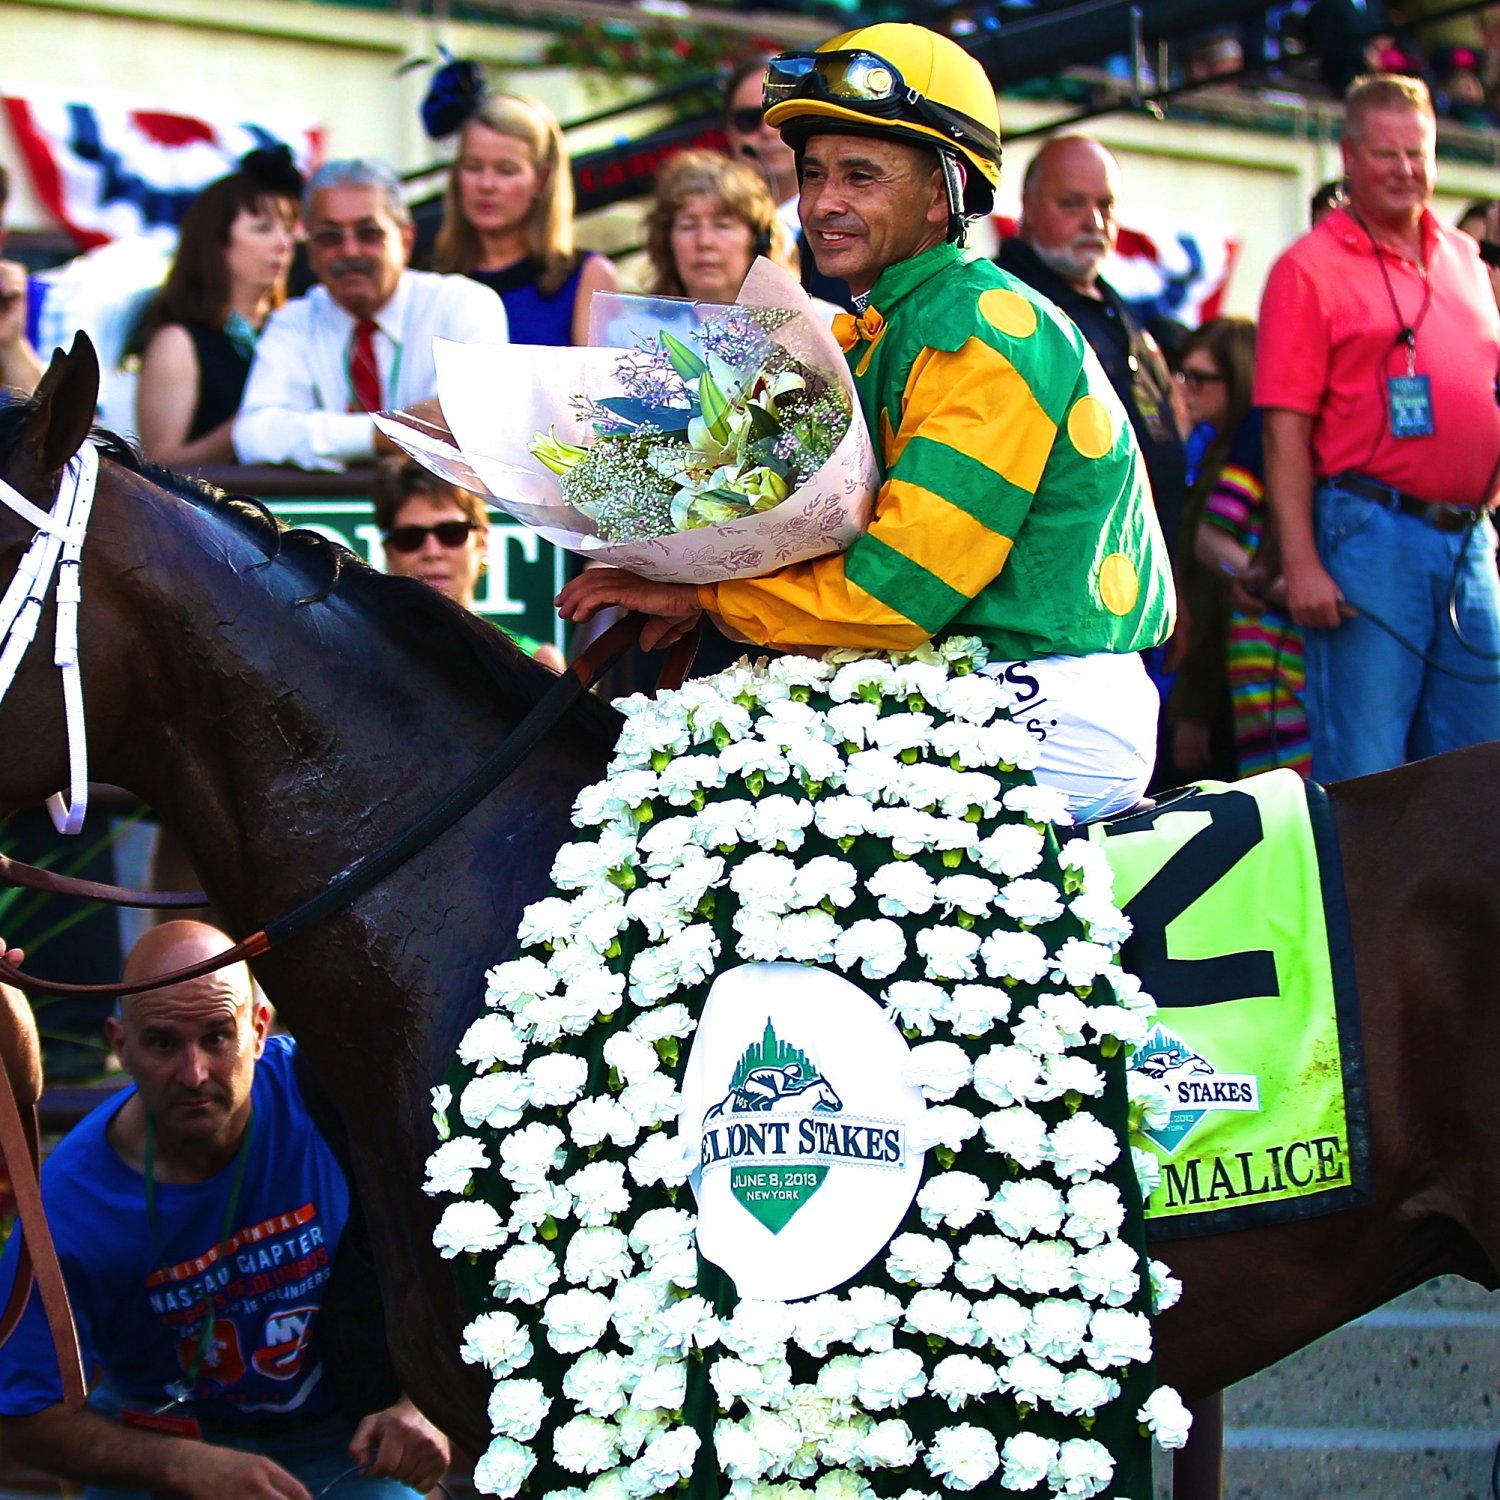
(508, 222)
(709, 220)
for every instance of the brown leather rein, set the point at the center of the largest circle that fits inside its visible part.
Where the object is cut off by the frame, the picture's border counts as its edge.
(355, 879)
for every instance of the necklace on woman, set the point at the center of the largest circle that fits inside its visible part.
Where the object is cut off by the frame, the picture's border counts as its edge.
(242, 333)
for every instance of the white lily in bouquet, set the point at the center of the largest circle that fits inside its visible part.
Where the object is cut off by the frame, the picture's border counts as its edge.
(688, 442)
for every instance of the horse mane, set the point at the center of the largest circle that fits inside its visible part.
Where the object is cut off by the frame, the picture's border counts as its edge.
(405, 608)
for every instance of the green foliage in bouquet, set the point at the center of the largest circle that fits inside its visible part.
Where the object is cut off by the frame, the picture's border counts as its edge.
(700, 438)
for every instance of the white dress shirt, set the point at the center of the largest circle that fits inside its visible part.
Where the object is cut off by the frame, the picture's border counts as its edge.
(298, 399)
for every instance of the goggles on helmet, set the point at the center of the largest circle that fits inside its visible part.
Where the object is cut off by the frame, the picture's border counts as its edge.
(868, 84)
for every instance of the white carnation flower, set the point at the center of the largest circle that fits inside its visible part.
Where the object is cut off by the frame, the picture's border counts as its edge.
(1151, 1101)
(902, 888)
(961, 1378)
(740, 1457)
(890, 1378)
(1084, 1392)
(1080, 853)
(781, 822)
(1102, 919)
(1166, 1418)
(575, 1320)
(1026, 1207)
(596, 1257)
(1082, 1147)
(498, 1341)
(887, 1445)
(688, 1324)
(754, 756)
(897, 732)
(1031, 902)
(599, 1191)
(1008, 1075)
(1057, 1328)
(591, 1122)
(1068, 1073)
(596, 1382)
(951, 952)
(637, 1428)
(580, 866)
(631, 1056)
(1083, 1467)
(962, 1457)
(758, 1331)
(808, 936)
(662, 1021)
(1114, 1020)
(825, 878)
(651, 1102)
(517, 1409)
(508, 985)
(917, 1259)
(1012, 850)
(658, 910)
(493, 1038)
(467, 1227)
(1019, 956)
(942, 1315)
(679, 779)
(1036, 1033)
(1117, 1337)
(974, 697)
(662, 1158)
(1079, 963)
(1166, 1289)
(842, 816)
(556, 1079)
(1019, 1133)
(724, 824)
(944, 1125)
(969, 893)
(877, 946)
(986, 1259)
(821, 1322)
(666, 844)
(938, 1070)
(661, 1388)
(1095, 1212)
(1003, 1322)
(668, 1459)
(1110, 1273)
(503, 1467)
(736, 1380)
(1028, 1460)
(766, 883)
(976, 1008)
(536, 1205)
(1042, 804)
(874, 1314)
(450, 1167)
(838, 1381)
(614, 799)
(1147, 1170)
(1044, 1266)
(873, 775)
(442, 1101)
(953, 1199)
(525, 1273)
(528, 1155)
(916, 1004)
(586, 1445)
(1031, 1379)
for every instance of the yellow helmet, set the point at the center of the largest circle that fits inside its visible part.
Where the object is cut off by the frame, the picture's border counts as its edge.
(898, 80)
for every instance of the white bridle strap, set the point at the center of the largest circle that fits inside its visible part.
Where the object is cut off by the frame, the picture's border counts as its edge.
(56, 548)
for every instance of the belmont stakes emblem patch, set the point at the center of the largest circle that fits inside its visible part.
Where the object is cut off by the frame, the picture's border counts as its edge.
(1241, 936)
(798, 1118)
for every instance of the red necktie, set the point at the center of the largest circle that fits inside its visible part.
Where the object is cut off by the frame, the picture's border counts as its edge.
(364, 368)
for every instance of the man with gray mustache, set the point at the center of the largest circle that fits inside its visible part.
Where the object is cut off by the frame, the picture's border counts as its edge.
(1068, 227)
(360, 342)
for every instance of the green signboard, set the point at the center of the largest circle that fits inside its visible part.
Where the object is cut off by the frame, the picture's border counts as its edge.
(516, 591)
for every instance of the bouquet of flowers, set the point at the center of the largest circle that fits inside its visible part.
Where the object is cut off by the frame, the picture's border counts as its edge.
(688, 442)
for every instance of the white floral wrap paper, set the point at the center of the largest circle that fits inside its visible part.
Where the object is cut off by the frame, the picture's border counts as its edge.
(496, 397)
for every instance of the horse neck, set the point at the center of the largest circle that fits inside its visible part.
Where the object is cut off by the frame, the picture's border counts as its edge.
(281, 741)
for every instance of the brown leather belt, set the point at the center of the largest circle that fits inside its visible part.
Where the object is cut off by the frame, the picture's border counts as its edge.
(1439, 517)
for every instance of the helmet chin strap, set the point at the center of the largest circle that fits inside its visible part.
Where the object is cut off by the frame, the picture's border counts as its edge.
(954, 179)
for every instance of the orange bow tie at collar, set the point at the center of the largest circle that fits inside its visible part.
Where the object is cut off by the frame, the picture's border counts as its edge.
(849, 329)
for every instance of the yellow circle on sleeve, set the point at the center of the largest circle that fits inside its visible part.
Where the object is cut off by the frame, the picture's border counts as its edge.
(1090, 427)
(1119, 585)
(1010, 312)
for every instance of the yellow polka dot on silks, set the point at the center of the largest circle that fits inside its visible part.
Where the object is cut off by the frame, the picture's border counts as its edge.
(1010, 312)
(1119, 585)
(1090, 428)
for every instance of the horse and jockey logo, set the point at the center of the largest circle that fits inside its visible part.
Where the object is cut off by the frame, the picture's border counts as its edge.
(1194, 1085)
(778, 1130)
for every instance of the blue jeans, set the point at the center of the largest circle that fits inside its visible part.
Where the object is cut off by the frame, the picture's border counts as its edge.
(1372, 702)
(316, 1454)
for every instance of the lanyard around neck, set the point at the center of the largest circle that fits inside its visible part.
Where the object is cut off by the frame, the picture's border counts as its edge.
(183, 1389)
(1406, 333)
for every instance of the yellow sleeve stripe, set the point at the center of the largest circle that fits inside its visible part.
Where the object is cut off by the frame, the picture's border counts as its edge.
(939, 536)
(955, 399)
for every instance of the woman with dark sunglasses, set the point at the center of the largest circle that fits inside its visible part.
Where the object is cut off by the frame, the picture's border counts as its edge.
(440, 534)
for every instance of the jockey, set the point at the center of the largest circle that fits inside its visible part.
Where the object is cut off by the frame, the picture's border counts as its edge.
(1014, 504)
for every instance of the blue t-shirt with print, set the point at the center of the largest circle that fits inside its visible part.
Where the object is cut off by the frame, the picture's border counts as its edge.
(140, 1305)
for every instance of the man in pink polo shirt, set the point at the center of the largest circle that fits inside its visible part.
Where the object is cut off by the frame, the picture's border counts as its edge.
(1377, 360)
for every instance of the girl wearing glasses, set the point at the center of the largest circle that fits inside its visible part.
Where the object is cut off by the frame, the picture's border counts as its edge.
(439, 534)
(229, 273)
(1258, 645)
(508, 222)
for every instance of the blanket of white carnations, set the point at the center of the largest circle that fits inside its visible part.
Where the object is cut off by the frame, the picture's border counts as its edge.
(875, 815)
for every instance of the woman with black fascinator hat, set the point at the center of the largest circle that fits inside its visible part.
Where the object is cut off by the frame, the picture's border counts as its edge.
(234, 249)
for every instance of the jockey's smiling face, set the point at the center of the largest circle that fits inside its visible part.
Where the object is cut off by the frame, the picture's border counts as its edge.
(869, 203)
(357, 247)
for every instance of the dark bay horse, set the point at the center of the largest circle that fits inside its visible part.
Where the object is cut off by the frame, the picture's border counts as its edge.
(280, 738)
